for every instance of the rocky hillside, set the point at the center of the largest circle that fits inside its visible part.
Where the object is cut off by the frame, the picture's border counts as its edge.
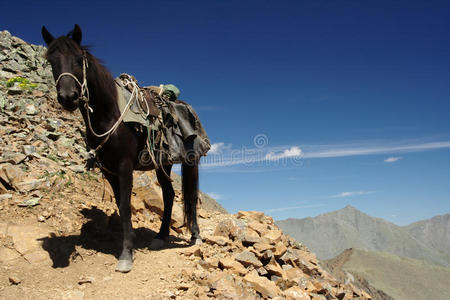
(350, 228)
(386, 275)
(59, 231)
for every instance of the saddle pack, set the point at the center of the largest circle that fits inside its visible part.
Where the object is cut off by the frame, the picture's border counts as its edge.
(175, 133)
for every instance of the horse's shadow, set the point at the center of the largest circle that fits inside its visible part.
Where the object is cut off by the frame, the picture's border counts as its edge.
(102, 233)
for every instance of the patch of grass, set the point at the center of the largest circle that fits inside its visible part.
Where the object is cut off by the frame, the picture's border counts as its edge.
(60, 174)
(53, 157)
(68, 183)
(24, 83)
(89, 175)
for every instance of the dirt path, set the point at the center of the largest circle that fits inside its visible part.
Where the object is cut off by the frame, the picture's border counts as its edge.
(81, 265)
(154, 276)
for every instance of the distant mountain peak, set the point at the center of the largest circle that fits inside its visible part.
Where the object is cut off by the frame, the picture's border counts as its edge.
(349, 207)
(347, 211)
(351, 228)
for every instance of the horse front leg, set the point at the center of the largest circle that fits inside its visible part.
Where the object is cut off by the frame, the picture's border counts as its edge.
(125, 181)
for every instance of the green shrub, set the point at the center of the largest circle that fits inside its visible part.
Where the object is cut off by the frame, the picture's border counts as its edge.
(24, 83)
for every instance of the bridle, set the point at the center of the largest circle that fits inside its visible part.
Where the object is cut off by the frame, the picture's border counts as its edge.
(136, 95)
(84, 92)
(84, 96)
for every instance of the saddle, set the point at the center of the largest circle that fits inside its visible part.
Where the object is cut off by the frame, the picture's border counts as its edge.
(179, 133)
(148, 93)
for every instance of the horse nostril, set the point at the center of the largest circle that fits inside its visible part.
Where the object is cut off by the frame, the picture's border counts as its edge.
(75, 95)
(68, 96)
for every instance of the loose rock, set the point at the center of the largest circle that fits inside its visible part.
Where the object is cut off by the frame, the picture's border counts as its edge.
(248, 258)
(262, 285)
(14, 280)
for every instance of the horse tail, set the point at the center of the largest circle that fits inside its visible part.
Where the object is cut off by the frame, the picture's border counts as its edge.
(189, 171)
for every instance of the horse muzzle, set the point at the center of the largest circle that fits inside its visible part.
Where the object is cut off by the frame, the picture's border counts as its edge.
(69, 100)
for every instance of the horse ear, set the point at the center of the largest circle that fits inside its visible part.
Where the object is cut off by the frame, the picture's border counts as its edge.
(76, 34)
(48, 37)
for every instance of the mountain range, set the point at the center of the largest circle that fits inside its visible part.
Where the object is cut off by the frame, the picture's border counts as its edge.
(386, 260)
(427, 240)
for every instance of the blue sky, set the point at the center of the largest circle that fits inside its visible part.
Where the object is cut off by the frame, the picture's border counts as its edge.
(310, 105)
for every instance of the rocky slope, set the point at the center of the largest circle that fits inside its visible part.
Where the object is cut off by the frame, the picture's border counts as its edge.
(59, 232)
(350, 228)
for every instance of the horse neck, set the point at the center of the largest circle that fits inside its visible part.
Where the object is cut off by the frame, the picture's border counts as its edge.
(102, 98)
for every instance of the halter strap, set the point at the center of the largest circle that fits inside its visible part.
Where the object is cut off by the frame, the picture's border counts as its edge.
(136, 96)
(84, 92)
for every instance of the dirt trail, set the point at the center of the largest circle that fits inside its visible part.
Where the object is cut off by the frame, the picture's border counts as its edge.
(155, 276)
(81, 265)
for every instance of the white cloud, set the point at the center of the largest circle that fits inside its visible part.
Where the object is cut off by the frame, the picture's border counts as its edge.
(392, 159)
(291, 152)
(224, 155)
(216, 148)
(341, 151)
(214, 195)
(350, 194)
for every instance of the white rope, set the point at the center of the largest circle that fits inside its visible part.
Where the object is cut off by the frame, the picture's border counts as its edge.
(84, 96)
(83, 86)
(136, 95)
(122, 116)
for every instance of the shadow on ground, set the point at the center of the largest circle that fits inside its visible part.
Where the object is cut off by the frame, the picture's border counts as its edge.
(102, 233)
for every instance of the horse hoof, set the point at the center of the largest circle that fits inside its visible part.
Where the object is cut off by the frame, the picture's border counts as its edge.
(124, 266)
(157, 244)
(196, 241)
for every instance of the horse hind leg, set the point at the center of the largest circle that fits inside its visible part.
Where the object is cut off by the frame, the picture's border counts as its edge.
(190, 198)
(159, 240)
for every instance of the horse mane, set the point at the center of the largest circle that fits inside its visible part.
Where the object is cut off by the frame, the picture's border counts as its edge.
(100, 77)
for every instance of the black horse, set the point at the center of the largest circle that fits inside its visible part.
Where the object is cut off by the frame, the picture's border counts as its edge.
(79, 74)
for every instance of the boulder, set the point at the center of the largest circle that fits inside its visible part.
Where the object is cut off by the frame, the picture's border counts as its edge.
(248, 236)
(230, 228)
(272, 237)
(146, 190)
(274, 268)
(260, 228)
(253, 215)
(279, 250)
(262, 285)
(295, 293)
(262, 247)
(248, 258)
(232, 265)
(217, 240)
(11, 174)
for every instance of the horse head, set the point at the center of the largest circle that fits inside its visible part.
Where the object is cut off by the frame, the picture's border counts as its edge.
(68, 60)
